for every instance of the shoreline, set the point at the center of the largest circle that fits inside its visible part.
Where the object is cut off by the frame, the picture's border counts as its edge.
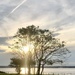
(44, 67)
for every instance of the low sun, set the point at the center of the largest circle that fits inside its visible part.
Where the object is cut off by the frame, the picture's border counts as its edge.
(28, 48)
(25, 49)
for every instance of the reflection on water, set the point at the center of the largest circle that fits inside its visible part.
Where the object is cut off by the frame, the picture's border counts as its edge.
(60, 71)
(25, 70)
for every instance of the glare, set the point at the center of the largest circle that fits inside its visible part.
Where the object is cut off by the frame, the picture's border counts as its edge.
(24, 70)
(25, 49)
(28, 48)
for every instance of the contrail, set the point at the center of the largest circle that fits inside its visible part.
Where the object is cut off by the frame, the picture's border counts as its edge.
(10, 14)
(18, 6)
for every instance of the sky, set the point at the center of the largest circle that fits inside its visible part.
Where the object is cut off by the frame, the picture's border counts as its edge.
(55, 15)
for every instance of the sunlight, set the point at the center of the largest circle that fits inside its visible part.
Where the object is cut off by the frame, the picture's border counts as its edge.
(24, 70)
(28, 48)
(25, 49)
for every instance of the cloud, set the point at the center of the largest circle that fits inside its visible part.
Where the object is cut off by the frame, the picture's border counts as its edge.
(4, 44)
(53, 15)
(2, 51)
(67, 34)
(5, 48)
(5, 59)
(3, 40)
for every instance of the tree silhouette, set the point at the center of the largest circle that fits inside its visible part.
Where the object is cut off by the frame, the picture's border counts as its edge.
(47, 48)
(18, 63)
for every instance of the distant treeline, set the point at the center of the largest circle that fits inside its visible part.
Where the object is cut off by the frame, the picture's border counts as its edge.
(59, 66)
(45, 67)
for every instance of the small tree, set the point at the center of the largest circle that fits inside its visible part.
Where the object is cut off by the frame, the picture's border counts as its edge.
(18, 63)
(46, 48)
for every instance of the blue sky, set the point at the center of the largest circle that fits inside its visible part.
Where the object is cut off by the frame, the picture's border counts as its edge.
(55, 15)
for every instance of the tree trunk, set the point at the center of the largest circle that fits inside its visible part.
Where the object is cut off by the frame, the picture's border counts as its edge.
(39, 66)
(18, 70)
(29, 69)
(34, 69)
(42, 69)
(19, 73)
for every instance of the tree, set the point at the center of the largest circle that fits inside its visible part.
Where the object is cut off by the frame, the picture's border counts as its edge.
(18, 63)
(46, 48)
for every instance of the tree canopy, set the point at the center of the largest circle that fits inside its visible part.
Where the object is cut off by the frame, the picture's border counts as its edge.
(44, 48)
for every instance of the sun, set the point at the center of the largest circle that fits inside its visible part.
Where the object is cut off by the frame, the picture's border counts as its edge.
(27, 48)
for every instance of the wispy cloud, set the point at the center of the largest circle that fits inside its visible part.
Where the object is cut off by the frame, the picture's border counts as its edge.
(47, 14)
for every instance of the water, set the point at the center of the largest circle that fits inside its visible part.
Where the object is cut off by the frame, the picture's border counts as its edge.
(61, 71)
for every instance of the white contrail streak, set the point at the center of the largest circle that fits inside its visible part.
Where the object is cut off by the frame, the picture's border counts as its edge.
(10, 14)
(18, 6)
